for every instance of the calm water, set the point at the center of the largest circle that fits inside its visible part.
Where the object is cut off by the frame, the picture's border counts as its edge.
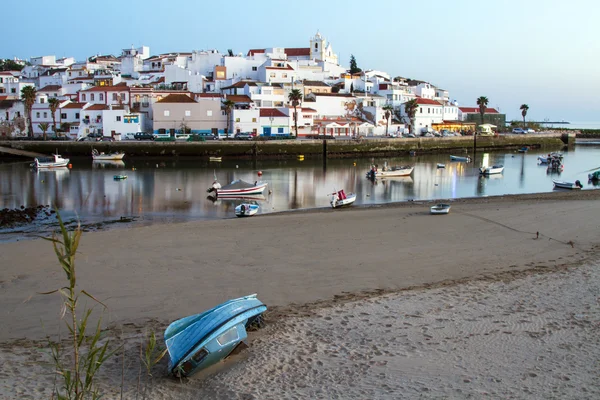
(159, 191)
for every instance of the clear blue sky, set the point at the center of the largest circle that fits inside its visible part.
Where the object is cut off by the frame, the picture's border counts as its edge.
(545, 53)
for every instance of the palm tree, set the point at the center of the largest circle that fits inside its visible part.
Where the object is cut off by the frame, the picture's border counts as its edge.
(410, 108)
(295, 97)
(53, 103)
(482, 102)
(28, 95)
(228, 105)
(389, 109)
(524, 108)
(44, 127)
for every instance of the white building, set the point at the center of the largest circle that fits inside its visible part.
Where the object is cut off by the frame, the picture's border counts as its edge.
(423, 89)
(11, 85)
(116, 122)
(321, 50)
(429, 112)
(331, 104)
(274, 122)
(12, 110)
(132, 60)
(53, 76)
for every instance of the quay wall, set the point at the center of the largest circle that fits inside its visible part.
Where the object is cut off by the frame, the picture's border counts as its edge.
(288, 148)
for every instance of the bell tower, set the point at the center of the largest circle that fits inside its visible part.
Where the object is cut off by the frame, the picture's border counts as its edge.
(317, 47)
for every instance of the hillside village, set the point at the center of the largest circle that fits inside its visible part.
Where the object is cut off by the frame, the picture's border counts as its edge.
(218, 95)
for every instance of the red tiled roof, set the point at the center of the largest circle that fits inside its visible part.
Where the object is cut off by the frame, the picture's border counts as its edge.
(308, 110)
(49, 88)
(97, 107)
(421, 100)
(236, 98)
(240, 85)
(74, 105)
(384, 86)
(177, 98)
(476, 110)
(298, 51)
(271, 112)
(286, 67)
(116, 88)
(209, 95)
(255, 51)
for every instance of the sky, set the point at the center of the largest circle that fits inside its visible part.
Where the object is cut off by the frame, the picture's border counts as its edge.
(543, 53)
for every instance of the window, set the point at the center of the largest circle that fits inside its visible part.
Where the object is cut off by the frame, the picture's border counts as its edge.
(76, 115)
(101, 95)
(63, 116)
(254, 68)
(223, 113)
(316, 46)
(253, 119)
(13, 90)
(421, 110)
(42, 100)
(167, 113)
(279, 130)
(92, 97)
(118, 118)
(115, 96)
(83, 96)
(200, 355)
(284, 75)
(209, 113)
(188, 113)
(37, 114)
(45, 114)
(272, 75)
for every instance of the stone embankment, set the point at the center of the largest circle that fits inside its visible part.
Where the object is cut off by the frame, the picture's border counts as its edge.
(292, 148)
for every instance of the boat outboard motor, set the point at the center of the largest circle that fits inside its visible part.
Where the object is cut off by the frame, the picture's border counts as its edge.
(577, 183)
(243, 209)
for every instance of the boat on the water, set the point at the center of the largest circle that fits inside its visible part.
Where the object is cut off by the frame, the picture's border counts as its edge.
(199, 341)
(101, 156)
(523, 149)
(458, 158)
(56, 161)
(567, 185)
(494, 169)
(385, 172)
(238, 188)
(215, 159)
(341, 199)
(246, 210)
(440, 209)
(441, 165)
(119, 177)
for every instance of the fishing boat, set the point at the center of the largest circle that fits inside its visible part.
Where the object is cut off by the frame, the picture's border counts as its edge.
(441, 165)
(116, 156)
(119, 177)
(246, 210)
(56, 161)
(543, 160)
(494, 169)
(199, 341)
(458, 158)
(567, 185)
(238, 188)
(594, 176)
(440, 209)
(341, 199)
(402, 170)
(523, 150)
(215, 159)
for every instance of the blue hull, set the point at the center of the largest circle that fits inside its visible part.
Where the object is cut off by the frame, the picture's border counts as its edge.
(201, 340)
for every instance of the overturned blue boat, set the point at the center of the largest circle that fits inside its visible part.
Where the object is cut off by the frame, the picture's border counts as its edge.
(201, 340)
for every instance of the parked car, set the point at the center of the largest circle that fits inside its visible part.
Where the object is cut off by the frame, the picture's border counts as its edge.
(129, 136)
(244, 136)
(518, 130)
(143, 136)
(529, 130)
(106, 139)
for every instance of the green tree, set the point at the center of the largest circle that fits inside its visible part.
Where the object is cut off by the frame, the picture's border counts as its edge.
(524, 108)
(53, 102)
(44, 127)
(228, 106)
(28, 95)
(10, 65)
(353, 66)
(295, 97)
(410, 108)
(389, 110)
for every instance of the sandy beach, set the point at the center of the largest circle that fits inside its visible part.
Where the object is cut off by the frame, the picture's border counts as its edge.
(498, 298)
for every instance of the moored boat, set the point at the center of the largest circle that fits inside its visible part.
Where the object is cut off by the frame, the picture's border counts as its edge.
(594, 176)
(55, 161)
(523, 149)
(567, 185)
(494, 169)
(401, 170)
(238, 187)
(119, 177)
(458, 158)
(199, 341)
(341, 199)
(440, 209)
(215, 159)
(246, 210)
(101, 156)
(441, 165)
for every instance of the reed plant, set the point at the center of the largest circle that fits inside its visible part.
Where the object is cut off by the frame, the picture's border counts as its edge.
(88, 352)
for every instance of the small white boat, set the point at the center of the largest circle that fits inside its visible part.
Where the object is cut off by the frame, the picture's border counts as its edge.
(116, 156)
(440, 209)
(238, 188)
(56, 161)
(458, 158)
(341, 199)
(215, 159)
(543, 160)
(567, 185)
(441, 165)
(387, 172)
(494, 169)
(246, 210)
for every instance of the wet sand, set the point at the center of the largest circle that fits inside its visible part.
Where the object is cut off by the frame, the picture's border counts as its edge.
(383, 300)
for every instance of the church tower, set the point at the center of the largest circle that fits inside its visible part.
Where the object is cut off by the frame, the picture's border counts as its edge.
(320, 50)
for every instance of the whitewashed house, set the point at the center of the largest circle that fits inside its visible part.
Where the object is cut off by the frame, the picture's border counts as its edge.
(279, 72)
(177, 111)
(52, 77)
(331, 104)
(70, 113)
(11, 85)
(11, 112)
(423, 90)
(274, 122)
(132, 60)
(429, 112)
(108, 95)
(117, 121)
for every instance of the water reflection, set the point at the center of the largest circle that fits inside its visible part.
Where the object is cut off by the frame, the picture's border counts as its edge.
(176, 189)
